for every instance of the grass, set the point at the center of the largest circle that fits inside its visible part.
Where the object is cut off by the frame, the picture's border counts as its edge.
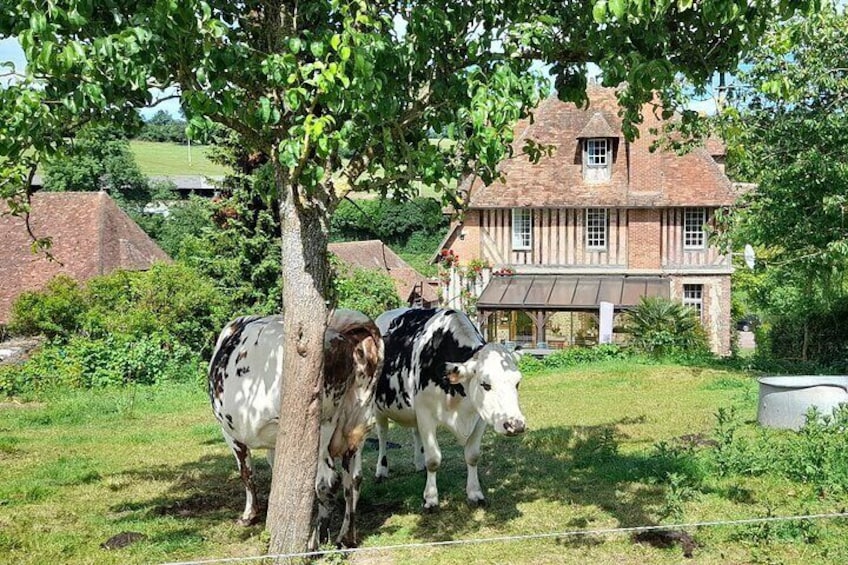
(85, 466)
(173, 159)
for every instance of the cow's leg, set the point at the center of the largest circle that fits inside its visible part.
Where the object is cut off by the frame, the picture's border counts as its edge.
(325, 488)
(417, 450)
(382, 433)
(351, 481)
(269, 456)
(432, 459)
(472, 455)
(245, 466)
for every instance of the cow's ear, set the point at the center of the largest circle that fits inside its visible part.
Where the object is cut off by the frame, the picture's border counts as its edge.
(458, 372)
(518, 353)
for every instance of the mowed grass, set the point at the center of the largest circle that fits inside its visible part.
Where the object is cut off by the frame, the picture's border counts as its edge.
(81, 468)
(173, 159)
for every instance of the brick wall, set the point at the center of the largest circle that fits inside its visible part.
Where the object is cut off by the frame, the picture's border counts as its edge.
(467, 242)
(643, 234)
(716, 307)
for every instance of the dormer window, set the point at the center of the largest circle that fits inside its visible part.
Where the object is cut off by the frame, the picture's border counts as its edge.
(596, 152)
(597, 158)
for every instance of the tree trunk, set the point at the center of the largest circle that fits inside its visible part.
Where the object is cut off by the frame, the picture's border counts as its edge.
(305, 283)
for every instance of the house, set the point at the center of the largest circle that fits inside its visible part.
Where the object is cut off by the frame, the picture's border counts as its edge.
(601, 220)
(411, 286)
(90, 236)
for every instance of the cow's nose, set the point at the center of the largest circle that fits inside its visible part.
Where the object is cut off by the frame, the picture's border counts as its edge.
(514, 426)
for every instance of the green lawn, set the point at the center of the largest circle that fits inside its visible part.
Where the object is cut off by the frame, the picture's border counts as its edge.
(173, 159)
(82, 468)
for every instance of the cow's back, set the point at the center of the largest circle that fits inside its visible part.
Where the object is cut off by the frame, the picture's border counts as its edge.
(245, 377)
(418, 345)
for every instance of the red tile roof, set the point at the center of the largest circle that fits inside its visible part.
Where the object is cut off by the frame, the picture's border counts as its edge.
(374, 254)
(639, 178)
(91, 236)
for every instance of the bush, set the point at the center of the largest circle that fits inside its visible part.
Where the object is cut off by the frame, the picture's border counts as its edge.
(169, 298)
(58, 310)
(663, 327)
(114, 360)
(370, 291)
(817, 454)
(572, 356)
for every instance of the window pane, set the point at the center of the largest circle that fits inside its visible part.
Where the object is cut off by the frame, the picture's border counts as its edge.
(596, 152)
(596, 228)
(693, 297)
(693, 228)
(522, 229)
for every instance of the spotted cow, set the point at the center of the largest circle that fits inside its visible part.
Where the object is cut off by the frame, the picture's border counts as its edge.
(245, 379)
(440, 371)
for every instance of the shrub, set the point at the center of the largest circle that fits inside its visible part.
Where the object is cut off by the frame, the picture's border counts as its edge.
(572, 356)
(661, 327)
(57, 310)
(370, 291)
(113, 360)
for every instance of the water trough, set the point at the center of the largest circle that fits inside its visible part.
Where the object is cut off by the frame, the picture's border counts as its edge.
(784, 401)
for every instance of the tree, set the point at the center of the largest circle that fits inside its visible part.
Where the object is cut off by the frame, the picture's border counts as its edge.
(343, 96)
(789, 129)
(99, 158)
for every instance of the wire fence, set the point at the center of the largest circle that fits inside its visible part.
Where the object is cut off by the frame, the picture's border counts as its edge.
(522, 537)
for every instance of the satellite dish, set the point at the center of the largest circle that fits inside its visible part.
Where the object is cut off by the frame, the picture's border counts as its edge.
(748, 255)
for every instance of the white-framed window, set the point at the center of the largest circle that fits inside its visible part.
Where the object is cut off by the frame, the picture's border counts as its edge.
(522, 229)
(693, 296)
(597, 150)
(694, 236)
(597, 159)
(596, 229)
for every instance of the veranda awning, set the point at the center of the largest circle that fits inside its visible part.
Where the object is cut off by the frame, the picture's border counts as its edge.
(569, 292)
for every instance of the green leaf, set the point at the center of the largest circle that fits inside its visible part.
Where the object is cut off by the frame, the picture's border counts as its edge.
(618, 8)
(295, 45)
(264, 109)
(599, 11)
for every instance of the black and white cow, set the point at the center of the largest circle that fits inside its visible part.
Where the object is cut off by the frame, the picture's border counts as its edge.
(440, 371)
(245, 378)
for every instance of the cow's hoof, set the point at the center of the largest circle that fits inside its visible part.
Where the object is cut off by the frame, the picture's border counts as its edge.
(477, 502)
(247, 521)
(346, 544)
(431, 508)
(380, 479)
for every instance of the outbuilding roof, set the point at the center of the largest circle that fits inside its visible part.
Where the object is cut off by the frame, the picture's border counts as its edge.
(90, 236)
(374, 254)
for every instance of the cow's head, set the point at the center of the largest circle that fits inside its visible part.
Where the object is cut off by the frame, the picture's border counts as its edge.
(491, 378)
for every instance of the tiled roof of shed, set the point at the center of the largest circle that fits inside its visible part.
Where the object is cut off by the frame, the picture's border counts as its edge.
(90, 236)
(374, 254)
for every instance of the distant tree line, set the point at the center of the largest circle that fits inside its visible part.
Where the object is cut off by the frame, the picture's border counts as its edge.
(164, 128)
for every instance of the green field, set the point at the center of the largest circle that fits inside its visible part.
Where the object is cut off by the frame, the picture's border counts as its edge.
(85, 466)
(173, 159)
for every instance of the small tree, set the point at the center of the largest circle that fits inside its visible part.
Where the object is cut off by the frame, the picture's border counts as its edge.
(659, 327)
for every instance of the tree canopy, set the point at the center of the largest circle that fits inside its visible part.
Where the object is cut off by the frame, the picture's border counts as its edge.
(789, 122)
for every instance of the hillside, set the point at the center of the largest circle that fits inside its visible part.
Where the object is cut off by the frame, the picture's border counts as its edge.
(173, 159)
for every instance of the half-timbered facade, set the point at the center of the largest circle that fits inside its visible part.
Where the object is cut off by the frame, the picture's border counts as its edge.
(601, 212)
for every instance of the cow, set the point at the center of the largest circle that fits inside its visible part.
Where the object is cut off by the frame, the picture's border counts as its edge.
(440, 371)
(245, 379)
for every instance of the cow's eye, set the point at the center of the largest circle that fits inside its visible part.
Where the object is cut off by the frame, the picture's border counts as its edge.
(486, 386)
(517, 385)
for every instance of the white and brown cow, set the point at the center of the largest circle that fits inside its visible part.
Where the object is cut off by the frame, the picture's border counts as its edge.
(245, 379)
(440, 371)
